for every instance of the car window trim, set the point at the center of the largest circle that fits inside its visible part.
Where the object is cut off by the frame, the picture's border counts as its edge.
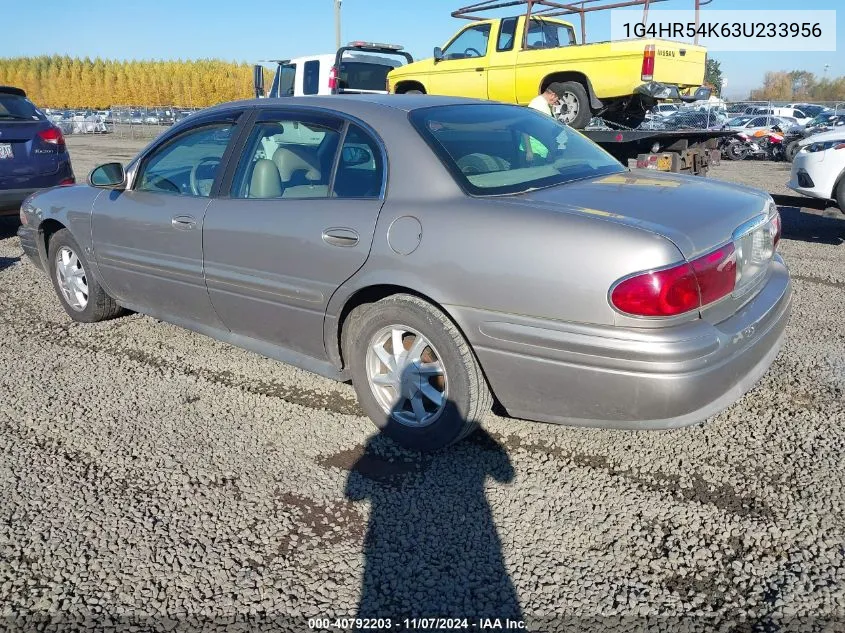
(136, 167)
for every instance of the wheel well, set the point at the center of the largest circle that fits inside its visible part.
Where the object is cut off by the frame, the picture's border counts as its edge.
(46, 230)
(571, 75)
(404, 86)
(371, 294)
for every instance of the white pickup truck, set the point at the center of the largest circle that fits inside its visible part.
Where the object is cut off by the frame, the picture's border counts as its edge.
(358, 67)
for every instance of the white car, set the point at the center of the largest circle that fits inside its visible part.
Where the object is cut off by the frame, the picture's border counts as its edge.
(818, 169)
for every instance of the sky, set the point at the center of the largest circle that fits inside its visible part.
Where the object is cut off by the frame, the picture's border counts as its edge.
(253, 30)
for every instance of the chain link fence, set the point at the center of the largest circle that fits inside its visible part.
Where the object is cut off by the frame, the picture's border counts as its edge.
(123, 121)
(718, 114)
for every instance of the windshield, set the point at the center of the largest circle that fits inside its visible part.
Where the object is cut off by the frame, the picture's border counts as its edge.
(740, 120)
(17, 107)
(502, 149)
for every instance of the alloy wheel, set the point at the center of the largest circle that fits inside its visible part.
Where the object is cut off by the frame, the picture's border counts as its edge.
(406, 375)
(72, 279)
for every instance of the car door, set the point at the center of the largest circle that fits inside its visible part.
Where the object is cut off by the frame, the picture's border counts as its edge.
(463, 69)
(148, 238)
(298, 221)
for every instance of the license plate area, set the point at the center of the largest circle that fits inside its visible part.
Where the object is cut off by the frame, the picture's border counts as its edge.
(6, 151)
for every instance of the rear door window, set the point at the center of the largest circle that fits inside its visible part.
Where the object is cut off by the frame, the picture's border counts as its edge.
(311, 77)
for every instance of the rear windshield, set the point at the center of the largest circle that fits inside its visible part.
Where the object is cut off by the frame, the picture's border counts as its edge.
(14, 107)
(363, 76)
(494, 149)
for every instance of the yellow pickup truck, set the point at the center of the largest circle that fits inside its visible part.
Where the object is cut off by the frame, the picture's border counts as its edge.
(495, 59)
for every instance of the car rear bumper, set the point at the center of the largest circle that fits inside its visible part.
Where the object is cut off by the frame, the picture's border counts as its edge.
(612, 377)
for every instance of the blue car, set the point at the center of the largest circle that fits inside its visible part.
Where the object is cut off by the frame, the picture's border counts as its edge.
(33, 154)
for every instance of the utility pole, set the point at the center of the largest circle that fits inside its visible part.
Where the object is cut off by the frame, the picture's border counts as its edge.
(337, 23)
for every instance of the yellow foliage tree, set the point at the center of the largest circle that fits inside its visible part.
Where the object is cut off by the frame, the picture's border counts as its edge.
(64, 82)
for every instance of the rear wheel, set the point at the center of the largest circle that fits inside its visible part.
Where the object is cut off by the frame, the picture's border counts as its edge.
(736, 151)
(575, 103)
(81, 295)
(792, 150)
(415, 375)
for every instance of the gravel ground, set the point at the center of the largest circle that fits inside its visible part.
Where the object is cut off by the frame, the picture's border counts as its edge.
(156, 478)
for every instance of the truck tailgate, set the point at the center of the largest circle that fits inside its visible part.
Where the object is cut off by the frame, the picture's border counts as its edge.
(678, 63)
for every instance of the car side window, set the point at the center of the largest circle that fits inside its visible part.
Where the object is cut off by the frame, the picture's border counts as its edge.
(287, 158)
(360, 169)
(507, 32)
(311, 77)
(470, 43)
(188, 164)
(544, 34)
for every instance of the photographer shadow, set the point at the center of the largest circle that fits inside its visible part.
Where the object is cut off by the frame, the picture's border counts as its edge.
(431, 547)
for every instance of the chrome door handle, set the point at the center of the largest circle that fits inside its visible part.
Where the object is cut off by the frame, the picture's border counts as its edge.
(183, 222)
(340, 237)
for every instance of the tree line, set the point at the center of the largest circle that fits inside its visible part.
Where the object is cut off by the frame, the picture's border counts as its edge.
(68, 82)
(799, 85)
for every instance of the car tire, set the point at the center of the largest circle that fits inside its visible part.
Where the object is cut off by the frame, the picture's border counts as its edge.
(425, 425)
(573, 93)
(840, 194)
(79, 292)
(413, 92)
(792, 150)
(736, 151)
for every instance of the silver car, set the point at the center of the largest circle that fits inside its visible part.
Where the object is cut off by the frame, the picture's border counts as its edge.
(438, 252)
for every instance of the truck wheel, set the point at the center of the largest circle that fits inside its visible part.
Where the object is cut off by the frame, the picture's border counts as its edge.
(792, 150)
(575, 110)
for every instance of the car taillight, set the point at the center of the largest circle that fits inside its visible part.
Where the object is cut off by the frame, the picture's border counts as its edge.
(680, 289)
(648, 63)
(53, 136)
(716, 274)
(333, 79)
(67, 182)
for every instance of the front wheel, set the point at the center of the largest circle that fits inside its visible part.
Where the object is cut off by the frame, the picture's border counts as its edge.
(575, 104)
(82, 297)
(415, 375)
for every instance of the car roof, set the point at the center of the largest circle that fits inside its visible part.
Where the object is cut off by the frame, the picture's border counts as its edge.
(833, 135)
(11, 90)
(358, 103)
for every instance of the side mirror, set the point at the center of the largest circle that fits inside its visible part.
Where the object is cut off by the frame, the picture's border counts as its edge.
(108, 176)
(438, 54)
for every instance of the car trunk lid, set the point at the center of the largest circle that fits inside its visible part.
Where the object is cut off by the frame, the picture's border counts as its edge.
(697, 215)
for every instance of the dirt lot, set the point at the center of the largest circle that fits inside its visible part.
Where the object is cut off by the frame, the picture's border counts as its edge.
(156, 477)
